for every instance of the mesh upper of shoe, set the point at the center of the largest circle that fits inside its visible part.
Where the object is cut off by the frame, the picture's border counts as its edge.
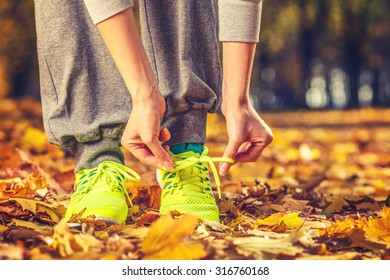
(187, 189)
(101, 191)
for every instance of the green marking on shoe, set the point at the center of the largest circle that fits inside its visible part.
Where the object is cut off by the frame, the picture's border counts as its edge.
(104, 193)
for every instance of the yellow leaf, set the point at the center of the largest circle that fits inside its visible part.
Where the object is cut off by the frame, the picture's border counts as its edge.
(166, 239)
(379, 227)
(3, 228)
(272, 220)
(291, 220)
(34, 139)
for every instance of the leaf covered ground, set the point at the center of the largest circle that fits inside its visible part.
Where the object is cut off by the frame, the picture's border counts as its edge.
(320, 191)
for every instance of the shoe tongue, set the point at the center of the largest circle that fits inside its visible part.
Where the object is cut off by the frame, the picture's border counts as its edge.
(187, 147)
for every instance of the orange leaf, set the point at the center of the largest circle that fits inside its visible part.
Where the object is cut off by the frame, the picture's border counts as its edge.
(147, 218)
(379, 227)
(166, 239)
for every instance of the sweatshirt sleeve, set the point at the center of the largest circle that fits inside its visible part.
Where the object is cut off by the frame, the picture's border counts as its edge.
(103, 9)
(239, 20)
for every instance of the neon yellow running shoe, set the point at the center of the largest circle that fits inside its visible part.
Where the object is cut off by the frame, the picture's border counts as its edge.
(187, 189)
(101, 191)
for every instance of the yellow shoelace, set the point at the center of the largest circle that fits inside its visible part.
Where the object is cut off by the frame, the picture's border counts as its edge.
(186, 173)
(113, 171)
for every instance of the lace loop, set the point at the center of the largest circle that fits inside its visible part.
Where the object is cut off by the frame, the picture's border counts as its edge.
(183, 163)
(109, 171)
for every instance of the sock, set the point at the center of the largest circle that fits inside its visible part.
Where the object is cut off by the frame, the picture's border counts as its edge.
(186, 147)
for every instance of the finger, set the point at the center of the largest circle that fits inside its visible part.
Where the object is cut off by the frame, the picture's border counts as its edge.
(165, 135)
(163, 158)
(230, 152)
(166, 148)
(252, 154)
(142, 153)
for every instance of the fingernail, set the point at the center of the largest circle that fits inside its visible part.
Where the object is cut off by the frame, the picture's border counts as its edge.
(223, 169)
(168, 166)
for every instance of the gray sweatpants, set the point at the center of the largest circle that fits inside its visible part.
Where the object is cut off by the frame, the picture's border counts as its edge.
(84, 99)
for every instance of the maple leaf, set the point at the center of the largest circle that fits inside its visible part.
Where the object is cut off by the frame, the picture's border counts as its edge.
(343, 228)
(25, 188)
(166, 239)
(379, 228)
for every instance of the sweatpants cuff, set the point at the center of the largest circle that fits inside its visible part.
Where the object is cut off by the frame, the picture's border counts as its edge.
(91, 154)
(188, 127)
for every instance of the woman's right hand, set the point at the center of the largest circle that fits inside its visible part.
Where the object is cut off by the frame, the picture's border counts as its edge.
(142, 135)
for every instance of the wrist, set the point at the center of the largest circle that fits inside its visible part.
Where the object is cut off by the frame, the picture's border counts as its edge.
(144, 91)
(234, 105)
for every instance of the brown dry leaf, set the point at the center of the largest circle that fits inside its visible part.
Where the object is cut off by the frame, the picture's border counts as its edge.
(25, 188)
(66, 243)
(294, 204)
(359, 238)
(166, 239)
(379, 228)
(148, 218)
(45, 230)
(336, 205)
(263, 248)
(150, 196)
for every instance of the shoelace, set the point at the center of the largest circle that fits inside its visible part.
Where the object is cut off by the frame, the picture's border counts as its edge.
(183, 164)
(113, 171)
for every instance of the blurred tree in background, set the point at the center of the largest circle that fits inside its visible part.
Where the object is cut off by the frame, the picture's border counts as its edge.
(312, 53)
(18, 65)
(323, 54)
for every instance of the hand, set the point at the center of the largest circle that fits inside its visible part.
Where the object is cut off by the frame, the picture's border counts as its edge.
(248, 135)
(142, 134)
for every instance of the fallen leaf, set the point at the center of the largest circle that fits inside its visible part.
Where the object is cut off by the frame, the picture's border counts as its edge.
(166, 239)
(34, 139)
(262, 248)
(46, 230)
(272, 220)
(291, 220)
(10, 252)
(3, 228)
(137, 232)
(66, 243)
(148, 218)
(379, 228)
(343, 228)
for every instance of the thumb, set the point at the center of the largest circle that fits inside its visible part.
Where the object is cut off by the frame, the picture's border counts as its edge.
(163, 158)
(230, 152)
